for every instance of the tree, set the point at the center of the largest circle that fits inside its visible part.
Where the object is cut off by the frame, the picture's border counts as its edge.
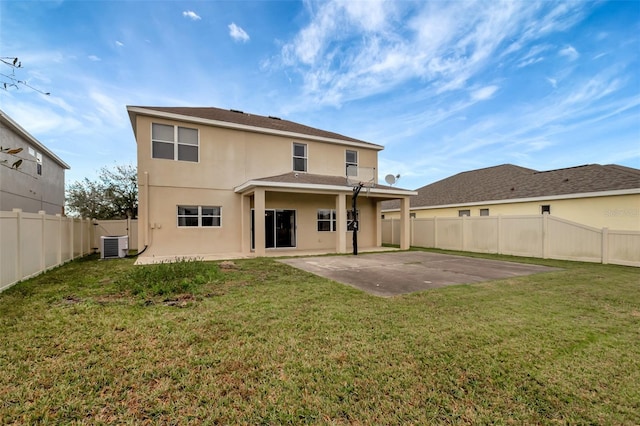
(114, 195)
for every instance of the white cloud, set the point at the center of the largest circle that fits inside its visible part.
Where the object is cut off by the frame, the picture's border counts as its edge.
(351, 50)
(570, 52)
(553, 82)
(484, 93)
(237, 33)
(119, 43)
(40, 120)
(94, 58)
(191, 15)
(534, 55)
(110, 109)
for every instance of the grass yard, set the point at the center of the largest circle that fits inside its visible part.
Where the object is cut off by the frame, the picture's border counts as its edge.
(98, 342)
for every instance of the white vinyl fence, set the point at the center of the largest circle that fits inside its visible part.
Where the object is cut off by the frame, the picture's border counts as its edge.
(543, 236)
(31, 243)
(112, 228)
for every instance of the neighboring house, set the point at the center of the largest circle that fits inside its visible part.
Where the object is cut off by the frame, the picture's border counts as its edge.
(38, 183)
(215, 181)
(594, 195)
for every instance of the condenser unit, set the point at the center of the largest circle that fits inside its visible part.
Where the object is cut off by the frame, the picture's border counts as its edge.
(114, 247)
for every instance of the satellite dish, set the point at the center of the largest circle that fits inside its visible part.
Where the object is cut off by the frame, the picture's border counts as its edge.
(390, 179)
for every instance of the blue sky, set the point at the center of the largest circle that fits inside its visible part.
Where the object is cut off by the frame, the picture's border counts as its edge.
(445, 86)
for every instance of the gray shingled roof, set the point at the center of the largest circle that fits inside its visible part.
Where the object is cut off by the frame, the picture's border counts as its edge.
(507, 182)
(246, 119)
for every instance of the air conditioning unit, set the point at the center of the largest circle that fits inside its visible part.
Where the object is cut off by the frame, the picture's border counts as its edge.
(114, 247)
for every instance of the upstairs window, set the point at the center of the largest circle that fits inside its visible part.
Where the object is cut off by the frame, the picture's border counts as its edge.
(299, 157)
(174, 142)
(545, 209)
(351, 159)
(39, 163)
(484, 212)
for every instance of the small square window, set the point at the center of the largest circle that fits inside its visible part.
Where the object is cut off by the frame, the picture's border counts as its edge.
(464, 213)
(545, 209)
(484, 212)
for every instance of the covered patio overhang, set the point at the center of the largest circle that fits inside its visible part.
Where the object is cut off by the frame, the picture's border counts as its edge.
(305, 183)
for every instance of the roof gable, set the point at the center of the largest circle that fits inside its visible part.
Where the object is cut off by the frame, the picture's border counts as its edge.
(217, 116)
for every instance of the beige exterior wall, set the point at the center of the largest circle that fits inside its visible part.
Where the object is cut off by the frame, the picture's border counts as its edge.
(227, 159)
(613, 212)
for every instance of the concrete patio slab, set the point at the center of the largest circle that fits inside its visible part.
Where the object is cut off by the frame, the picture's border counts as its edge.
(391, 274)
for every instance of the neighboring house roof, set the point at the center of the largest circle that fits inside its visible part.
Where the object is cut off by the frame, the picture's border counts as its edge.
(510, 182)
(312, 181)
(242, 120)
(8, 121)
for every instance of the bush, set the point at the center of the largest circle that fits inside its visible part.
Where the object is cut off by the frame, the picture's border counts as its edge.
(167, 278)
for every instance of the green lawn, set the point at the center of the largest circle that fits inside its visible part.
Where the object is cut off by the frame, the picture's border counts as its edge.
(97, 342)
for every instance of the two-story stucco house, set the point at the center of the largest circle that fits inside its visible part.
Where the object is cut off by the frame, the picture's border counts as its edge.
(37, 184)
(214, 181)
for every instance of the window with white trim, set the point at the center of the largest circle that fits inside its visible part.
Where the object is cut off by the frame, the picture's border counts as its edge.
(464, 213)
(174, 142)
(326, 220)
(199, 216)
(299, 157)
(351, 159)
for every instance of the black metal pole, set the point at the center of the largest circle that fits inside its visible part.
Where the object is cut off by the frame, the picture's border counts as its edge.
(356, 191)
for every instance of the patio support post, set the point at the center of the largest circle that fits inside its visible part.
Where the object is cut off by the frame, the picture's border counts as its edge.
(245, 214)
(405, 224)
(341, 223)
(258, 223)
(378, 223)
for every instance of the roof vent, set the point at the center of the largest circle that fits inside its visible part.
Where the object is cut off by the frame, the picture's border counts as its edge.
(274, 118)
(237, 110)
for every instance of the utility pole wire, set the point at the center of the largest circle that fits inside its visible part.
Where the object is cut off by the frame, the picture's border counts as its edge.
(12, 80)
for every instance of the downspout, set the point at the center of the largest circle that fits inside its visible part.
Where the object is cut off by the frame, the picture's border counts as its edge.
(146, 209)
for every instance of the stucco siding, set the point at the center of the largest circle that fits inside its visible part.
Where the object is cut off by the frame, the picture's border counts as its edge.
(24, 188)
(229, 158)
